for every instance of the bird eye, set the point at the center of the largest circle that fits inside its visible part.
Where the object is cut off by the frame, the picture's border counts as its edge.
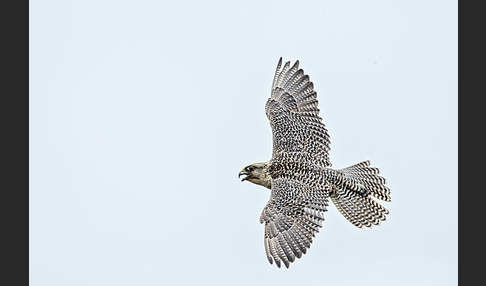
(250, 168)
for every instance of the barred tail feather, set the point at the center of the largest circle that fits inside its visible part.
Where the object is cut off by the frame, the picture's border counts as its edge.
(353, 198)
(368, 179)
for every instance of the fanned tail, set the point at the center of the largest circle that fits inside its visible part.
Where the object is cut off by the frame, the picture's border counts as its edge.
(352, 196)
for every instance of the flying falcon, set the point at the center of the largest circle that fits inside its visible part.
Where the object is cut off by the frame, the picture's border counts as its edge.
(300, 176)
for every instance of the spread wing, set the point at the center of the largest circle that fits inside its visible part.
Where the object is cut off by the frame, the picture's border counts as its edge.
(292, 217)
(294, 116)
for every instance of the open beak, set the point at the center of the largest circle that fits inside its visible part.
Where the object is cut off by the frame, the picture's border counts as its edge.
(243, 173)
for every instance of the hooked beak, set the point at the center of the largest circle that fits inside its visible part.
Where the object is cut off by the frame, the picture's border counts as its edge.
(243, 173)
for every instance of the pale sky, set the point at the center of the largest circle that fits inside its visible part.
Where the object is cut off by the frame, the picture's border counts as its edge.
(142, 113)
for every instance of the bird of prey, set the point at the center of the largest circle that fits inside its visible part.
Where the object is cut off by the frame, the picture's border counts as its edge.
(300, 176)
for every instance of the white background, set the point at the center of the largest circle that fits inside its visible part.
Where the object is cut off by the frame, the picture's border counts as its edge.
(142, 113)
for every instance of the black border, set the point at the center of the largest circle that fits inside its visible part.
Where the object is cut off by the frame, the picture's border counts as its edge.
(471, 120)
(15, 139)
(462, 276)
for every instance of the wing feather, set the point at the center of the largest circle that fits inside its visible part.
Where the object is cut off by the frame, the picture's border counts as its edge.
(293, 113)
(292, 217)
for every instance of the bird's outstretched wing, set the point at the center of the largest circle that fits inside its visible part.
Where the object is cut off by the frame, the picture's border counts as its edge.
(292, 217)
(294, 116)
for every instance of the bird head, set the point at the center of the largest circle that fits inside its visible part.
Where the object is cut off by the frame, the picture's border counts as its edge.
(256, 173)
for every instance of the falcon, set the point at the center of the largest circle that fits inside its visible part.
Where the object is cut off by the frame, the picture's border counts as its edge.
(300, 176)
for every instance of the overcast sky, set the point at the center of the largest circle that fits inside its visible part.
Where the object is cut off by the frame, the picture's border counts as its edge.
(142, 113)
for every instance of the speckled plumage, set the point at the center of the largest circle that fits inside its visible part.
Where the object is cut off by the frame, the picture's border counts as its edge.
(300, 175)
